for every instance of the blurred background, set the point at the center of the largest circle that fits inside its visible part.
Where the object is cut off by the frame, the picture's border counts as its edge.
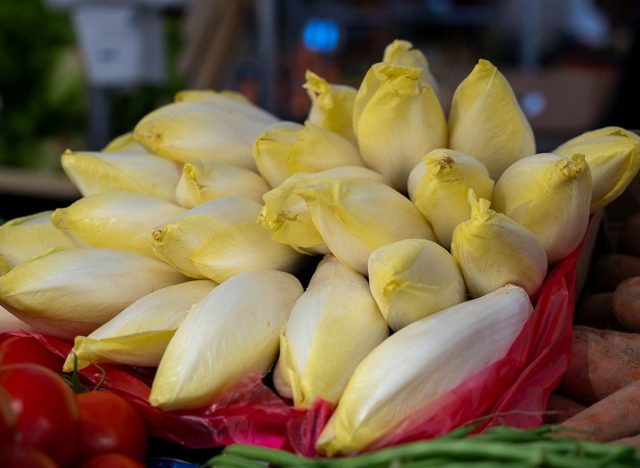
(75, 73)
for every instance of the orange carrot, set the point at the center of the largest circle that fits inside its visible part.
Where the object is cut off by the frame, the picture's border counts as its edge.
(627, 343)
(596, 369)
(614, 417)
(626, 304)
(560, 408)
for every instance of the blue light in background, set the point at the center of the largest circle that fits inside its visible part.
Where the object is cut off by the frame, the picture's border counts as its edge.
(321, 35)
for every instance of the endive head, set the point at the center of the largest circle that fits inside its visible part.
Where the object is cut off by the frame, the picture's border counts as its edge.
(230, 333)
(421, 363)
(287, 218)
(439, 185)
(139, 334)
(317, 149)
(202, 181)
(331, 105)
(604, 131)
(125, 144)
(337, 308)
(613, 155)
(115, 220)
(271, 151)
(286, 214)
(307, 149)
(413, 278)
(191, 130)
(401, 52)
(243, 247)
(487, 122)
(175, 240)
(493, 250)
(219, 239)
(355, 216)
(231, 100)
(550, 195)
(137, 172)
(72, 292)
(397, 120)
(27, 237)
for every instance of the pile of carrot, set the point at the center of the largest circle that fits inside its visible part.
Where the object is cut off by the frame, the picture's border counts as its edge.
(600, 393)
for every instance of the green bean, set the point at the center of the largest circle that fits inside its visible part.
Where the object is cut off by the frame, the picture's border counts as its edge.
(463, 449)
(510, 434)
(459, 433)
(472, 464)
(233, 461)
(279, 457)
(423, 462)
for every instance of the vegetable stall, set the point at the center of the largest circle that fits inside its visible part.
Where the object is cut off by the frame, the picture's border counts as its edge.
(337, 292)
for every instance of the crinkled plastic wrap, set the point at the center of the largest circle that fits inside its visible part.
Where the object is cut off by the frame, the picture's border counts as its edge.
(513, 391)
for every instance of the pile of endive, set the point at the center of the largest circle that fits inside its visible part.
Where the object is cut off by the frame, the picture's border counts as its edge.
(428, 238)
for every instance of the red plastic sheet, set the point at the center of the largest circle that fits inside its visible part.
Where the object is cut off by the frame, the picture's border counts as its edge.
(512, 391)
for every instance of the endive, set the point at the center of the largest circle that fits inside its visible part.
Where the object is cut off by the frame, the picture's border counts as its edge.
(207, 95)
(202, 181)
(9, 322)
(28, 236)
(486, 121)
(402, 53)
(550, 195)
(493, 250)
(397, 119)
(413, 278)
(115, 220)
(331, 105)
(72, 292)
(421, 362)
(219, 239)
(271, 151)
(124, 144)
(286, 149)
(231, 332)
(439, 185)
(332, 327)
(192, 130)
(287, 216)
(137, 172)
(228, 100)
(139, 334)
(613, 155)
(355, 216)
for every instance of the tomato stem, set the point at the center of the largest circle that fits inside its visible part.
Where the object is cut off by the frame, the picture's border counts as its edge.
(74, 379)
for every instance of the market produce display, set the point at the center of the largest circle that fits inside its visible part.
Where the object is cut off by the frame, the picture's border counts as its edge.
(441, 257)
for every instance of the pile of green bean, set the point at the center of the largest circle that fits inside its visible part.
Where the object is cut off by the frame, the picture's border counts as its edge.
(497, 447)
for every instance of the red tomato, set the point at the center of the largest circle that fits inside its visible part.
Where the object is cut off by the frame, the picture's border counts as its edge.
(46, 410)
(110, 424)
(22, 457)
(23, 349)
(112, 460)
